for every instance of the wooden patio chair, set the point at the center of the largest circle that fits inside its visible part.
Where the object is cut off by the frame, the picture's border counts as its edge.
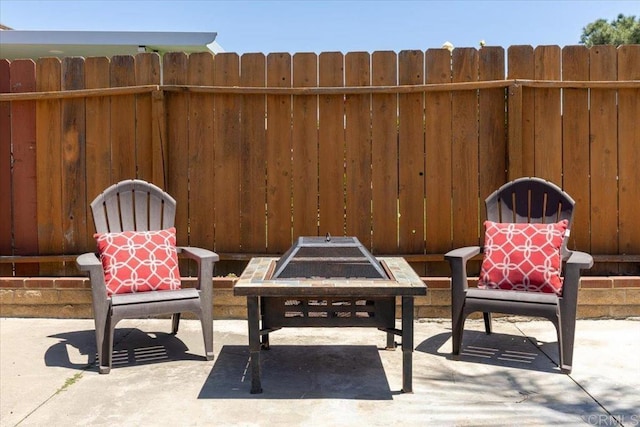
(135, 272)
(526, 268)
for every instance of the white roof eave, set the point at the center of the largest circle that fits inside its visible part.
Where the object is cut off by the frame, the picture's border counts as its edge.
(16, 44)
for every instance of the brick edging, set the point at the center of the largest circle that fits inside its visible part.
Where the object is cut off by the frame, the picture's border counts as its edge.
(70, 297)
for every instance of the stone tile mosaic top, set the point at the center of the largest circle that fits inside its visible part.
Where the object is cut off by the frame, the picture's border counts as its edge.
(255, 280)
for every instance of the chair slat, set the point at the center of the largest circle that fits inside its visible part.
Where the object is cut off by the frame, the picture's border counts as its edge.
(112, 207)
(125, 196)
(142, 210)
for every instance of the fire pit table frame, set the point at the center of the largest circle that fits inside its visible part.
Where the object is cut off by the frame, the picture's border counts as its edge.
(335, 303)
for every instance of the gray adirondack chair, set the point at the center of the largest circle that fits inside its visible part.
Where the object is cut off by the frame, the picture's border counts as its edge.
(141, 206)
(524, 200)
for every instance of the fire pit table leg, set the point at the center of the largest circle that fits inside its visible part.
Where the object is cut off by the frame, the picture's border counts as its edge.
(253, 316)
(407, 344)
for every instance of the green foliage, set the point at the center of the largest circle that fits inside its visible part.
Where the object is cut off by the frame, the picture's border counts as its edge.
(623, 30)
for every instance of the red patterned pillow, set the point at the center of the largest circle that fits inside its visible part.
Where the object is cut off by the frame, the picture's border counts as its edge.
(138, 261)
(523, 257)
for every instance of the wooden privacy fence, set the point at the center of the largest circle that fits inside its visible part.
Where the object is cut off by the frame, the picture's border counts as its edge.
(399, 150)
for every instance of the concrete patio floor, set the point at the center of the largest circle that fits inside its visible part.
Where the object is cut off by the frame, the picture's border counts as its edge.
(314, 376)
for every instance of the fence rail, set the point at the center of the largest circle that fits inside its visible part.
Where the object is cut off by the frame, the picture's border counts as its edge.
(398, 149)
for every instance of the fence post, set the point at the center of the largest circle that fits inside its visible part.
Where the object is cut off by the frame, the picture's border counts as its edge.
(159, 139)
(514, 126)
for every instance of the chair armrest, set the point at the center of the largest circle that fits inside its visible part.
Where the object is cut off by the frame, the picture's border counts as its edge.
(91, 263)
(88, 261)
(577, 261)
(580, 260)
(198, 254)
(458, 262)
(205, 259)
(462, 254)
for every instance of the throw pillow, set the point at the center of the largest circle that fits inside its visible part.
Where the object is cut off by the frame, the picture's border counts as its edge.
(139, 261)
(523, 257)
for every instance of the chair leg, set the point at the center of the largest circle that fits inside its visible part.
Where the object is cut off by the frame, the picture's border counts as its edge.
(457, 329)
(175, 323)
(102, 343)
(391, 341)
(488, 324)
(107, 349)
(206, 320)
(566, 338)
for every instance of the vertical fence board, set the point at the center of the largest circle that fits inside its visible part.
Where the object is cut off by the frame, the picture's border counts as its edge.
(226, 140)
(147, 72)
(123, 120)
(604, 159)
(175, 71)
(575, 143)
(253, 154)
(629, 155)
(547, 116)
(358, 149)
(73, 158)
(521, 66)
(384, 148)
(439, 170)
(6, 222)
(49, 165)
(98, 137)
(201, 154)
(24, 184)
(411, 154)
(464, 147)
(331, 146)
(492, 143)
(305, 147)
(278, 155)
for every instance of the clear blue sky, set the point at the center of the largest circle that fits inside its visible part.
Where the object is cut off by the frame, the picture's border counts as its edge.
(321, 26)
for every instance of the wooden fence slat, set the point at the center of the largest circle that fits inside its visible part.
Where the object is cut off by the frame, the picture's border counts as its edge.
(279, 183)
(98, 138)
(492, 132)
(575, 143)
(123, 119)
(331, 146)
(202, 213)
(411, 154)
(226, 128)
(305, 147)
(24, 184)
(6, 248)
(547, 117)
(358, 149)
(629, 155)
(521, 66)
(439, 172)
(464, 149)
(49, 164)
(175, 71)
(253, 177)
(73, 159)
(384, 147)
(147, 72)
(604, 157)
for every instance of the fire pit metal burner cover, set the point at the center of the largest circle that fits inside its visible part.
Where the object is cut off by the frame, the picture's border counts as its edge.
(328, 258)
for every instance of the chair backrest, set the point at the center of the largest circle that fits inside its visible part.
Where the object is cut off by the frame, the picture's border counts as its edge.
(530, 200)
(133, 205)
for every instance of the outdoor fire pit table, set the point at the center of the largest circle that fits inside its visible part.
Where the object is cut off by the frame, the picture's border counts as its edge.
(328, 282)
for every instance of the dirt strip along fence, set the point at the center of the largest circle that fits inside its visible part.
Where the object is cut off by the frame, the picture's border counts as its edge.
(398, 149)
